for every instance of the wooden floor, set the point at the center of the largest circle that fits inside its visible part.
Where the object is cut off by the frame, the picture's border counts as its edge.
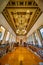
(20, 56)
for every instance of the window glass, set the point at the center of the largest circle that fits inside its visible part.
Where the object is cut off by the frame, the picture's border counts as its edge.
(2, 31)
(30, 40)
(41, 31)
(36, 37)
(7, 37)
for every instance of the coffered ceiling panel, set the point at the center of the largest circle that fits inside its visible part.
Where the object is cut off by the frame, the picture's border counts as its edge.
(21, 15)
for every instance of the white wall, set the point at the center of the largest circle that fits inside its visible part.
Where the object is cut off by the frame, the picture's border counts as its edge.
(3, 4)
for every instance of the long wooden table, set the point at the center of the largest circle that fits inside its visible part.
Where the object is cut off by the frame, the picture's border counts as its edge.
(20, 55)
(38, 50)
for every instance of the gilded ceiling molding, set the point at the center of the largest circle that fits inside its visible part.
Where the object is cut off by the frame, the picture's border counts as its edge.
(21, 15)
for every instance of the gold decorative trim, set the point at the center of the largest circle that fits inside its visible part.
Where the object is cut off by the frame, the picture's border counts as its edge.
(22, 16)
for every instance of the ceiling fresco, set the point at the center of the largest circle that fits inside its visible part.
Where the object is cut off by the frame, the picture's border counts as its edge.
(21, 15)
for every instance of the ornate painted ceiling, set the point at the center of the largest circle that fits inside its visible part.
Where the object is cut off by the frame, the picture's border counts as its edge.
(21, 15)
